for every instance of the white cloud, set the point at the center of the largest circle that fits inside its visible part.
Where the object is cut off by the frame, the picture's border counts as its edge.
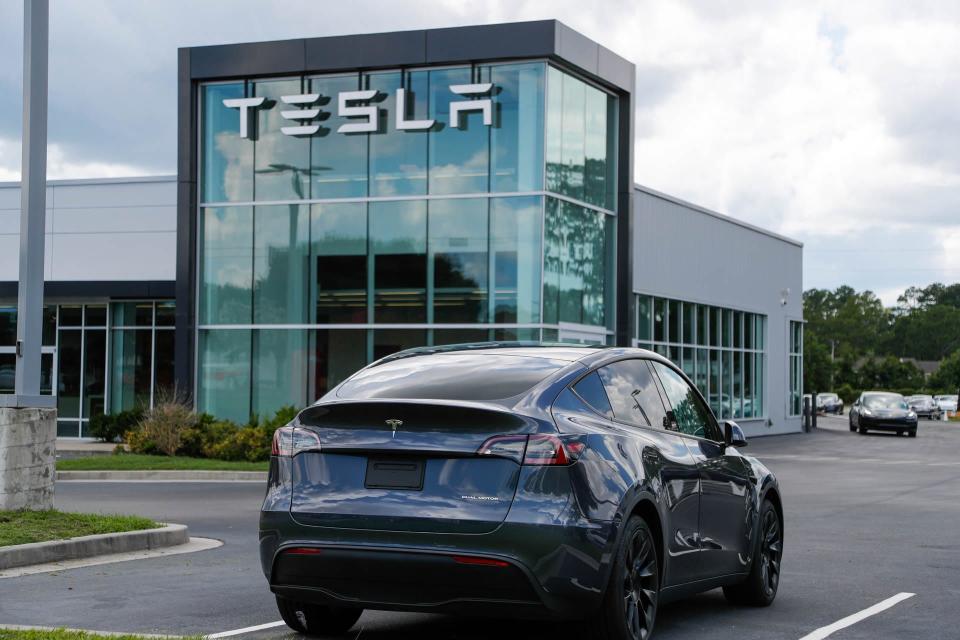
(834, 122)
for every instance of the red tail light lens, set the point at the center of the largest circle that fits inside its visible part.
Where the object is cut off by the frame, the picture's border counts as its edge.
(480, 562)
(537, 450)
(303, 551)
(288, 441)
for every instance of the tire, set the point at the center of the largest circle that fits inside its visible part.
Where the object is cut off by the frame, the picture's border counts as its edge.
(316, 620)
(629, 608)
(760, 587)
(852, 428)
(913, 434)
(861, 430)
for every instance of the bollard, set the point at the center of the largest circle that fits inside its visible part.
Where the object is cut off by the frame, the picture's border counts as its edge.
(813, 410)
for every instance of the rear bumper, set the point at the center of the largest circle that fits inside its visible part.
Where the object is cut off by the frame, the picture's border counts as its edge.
(537, 570)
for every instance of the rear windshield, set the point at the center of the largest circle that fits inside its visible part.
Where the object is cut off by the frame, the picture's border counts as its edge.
(451, 377)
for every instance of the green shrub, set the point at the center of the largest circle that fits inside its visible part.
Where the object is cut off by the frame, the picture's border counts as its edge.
(162, 428)
(847, 393)
(112, 427)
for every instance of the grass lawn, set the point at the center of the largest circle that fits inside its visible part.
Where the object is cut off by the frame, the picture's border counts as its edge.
(22, 527)
(59, 634)
(140, 462)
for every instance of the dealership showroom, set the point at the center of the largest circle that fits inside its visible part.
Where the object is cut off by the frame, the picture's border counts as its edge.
(489, 200)
(340, 199)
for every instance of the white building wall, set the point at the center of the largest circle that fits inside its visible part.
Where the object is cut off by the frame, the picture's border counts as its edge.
(101, 229)
(685, 252)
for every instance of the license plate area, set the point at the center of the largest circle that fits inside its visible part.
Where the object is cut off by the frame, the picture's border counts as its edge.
(394, 473)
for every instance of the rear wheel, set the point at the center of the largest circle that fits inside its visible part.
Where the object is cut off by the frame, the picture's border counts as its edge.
(760, 587)
(913, 434)
(316, 620)
(629, 607)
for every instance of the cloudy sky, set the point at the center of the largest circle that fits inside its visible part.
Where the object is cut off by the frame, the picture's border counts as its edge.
(836, 123)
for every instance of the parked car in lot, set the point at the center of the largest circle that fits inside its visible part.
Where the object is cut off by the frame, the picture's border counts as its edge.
(882, 411)
(947, 404)
(829, 403)
(563, 482)
(924, 406)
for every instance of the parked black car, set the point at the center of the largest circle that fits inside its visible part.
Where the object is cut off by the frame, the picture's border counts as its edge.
(537, 481)
(924, 406)
(881, 411)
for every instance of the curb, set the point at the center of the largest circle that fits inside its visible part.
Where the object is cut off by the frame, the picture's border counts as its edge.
(216, 476)
(22, 555)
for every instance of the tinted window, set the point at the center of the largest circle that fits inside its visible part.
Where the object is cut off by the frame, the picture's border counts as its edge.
(884, 401)
(453, 376)
(633, 393)
(591, 390)
(691, 414)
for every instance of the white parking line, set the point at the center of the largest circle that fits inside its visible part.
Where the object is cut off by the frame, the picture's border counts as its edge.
(239, 632)
(828, 630)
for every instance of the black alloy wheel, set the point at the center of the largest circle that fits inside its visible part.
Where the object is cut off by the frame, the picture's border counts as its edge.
(640, 585)
(760, 587)
(629, 609)
(771, 550)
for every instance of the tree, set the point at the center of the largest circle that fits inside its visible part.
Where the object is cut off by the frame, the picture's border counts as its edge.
(947, 377)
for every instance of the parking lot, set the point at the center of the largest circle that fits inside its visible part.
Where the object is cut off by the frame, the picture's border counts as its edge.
(867, 518)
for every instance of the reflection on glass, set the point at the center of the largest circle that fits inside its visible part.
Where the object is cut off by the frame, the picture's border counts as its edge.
(279, 370)
(71, 315)
(131, 314)
(95, 370)
(572, 145)
(95, 315)
(689, 329)
(166, 313)
(515, 228)
(673, 316)
(223, 374)
(68, 373)
(280, 264)
(574, 264)
(338, 161)
(516, 140)
(660, 320)
(398, 159)
(398, 243)
(644, 317)
(458, 252)
(337, 354)
(164, 384)
(554, 148)
(525, 335)
(459, 152)
(8, 372)
(339, 261)
(226, 265)
(130, 368)
(460, 336)
(387, 341)
(281, 163)
(226, 169)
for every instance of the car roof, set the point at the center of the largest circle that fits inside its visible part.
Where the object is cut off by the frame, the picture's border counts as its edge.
(587, 354)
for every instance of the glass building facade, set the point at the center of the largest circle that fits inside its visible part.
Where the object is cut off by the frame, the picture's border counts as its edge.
(97, 358)
(320, 252)
(722, 350)
(795, 393)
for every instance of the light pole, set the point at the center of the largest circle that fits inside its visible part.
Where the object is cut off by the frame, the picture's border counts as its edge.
(28, 419)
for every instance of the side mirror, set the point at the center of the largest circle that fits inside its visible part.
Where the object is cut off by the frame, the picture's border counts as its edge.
(733, 434)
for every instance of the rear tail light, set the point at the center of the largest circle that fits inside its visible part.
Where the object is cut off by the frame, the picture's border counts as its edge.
(535, 450)
(288, 441)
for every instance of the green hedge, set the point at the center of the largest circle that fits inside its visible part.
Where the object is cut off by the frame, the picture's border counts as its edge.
(173, 429)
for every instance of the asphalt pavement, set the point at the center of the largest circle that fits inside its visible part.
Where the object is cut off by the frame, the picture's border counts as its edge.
(867, 517)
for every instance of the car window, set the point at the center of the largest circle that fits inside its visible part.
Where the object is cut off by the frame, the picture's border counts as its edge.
(591, 390)
(692, 415)
(633, 393)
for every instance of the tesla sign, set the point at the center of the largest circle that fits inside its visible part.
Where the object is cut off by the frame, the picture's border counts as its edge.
(301, 110)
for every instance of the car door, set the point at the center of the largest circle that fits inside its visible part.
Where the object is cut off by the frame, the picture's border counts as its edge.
(727, 502)
(636, 401)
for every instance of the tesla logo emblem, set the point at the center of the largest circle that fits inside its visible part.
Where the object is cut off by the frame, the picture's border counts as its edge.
(364, 117)
(394, 424)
